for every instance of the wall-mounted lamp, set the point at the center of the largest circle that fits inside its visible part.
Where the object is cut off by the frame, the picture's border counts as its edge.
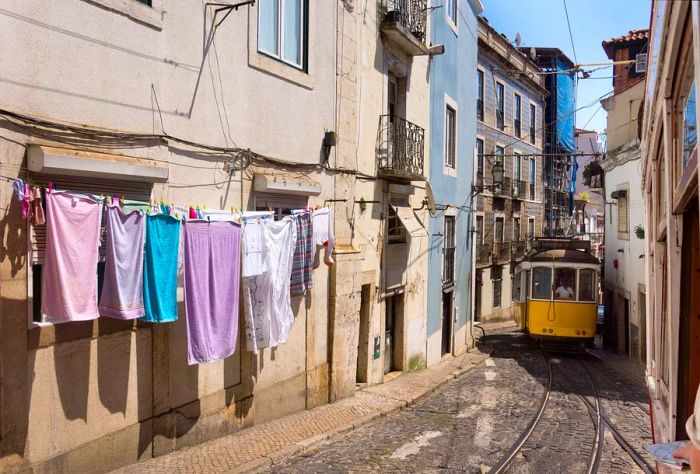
(497, 172)
(328, 143)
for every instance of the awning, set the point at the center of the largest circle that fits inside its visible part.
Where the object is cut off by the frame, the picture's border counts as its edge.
(410, 221)
(286, 184)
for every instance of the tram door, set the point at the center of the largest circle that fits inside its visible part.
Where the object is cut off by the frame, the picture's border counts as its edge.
(689, 330)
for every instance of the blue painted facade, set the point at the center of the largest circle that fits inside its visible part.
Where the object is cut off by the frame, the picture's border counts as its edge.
(453, 83)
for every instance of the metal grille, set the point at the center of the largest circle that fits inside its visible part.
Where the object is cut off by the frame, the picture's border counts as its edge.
(448, 274)
(411, 14)
(400, 145)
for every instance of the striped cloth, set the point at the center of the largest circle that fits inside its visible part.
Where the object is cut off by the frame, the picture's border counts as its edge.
(303, 255)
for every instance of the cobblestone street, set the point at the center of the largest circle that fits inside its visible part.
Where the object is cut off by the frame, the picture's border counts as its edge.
(471, 423)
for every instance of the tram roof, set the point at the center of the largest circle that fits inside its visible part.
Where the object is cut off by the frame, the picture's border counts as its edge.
(563, 255)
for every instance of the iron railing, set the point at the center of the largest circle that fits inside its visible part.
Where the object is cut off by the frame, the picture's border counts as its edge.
(400, 147)
(504, 190)
(518, 189)
(501, 251)
(483, 253)
(500, 124)
(411, 14)
(518, 249)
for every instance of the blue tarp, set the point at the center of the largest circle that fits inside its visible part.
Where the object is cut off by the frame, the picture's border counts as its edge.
(566, 104)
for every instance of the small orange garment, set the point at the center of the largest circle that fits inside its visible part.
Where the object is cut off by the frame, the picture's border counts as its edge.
(36, 209)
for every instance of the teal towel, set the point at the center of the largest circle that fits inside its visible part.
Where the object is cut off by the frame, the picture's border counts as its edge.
(160, 268)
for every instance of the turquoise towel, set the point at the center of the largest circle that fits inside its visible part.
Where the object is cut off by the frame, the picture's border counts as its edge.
(160, 268)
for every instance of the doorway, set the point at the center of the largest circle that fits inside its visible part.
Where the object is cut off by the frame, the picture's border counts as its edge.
(393, 333)
(363, 336)
(626, 313)
(447, 304)
(689, 330)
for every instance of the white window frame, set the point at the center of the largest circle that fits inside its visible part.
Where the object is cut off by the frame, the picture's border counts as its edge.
(531, 219)
(640, 59)
(280, 35)
(517, 95)
(453, 218)
(530, 115)
(481, 70)
(520, 235)
(503, 229)
(532, 178)
(453, 24)
(447, 169)
(482, 158)
(495, 97)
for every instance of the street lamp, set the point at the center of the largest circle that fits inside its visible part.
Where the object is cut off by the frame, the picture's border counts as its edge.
(497, 172)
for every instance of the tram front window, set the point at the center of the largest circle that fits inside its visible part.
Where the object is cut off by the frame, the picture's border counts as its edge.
(565, 284)
(542, 283)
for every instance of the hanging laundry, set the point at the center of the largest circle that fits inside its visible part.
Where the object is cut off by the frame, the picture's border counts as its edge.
(160, 268)
(18, 187)
(303, 254)
(69, 274)
(129, 205)
(269, 315)
(122, 290)
(192, 213)
(26, 202)
(212, 277)
(37, 210)
(323, 235)
(254, 242)
(219, 216)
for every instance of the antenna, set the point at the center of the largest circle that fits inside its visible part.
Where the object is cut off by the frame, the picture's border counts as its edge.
(517, 39)
(533, 53)
(429, 197)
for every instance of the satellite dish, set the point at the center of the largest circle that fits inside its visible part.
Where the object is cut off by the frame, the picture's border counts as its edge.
(429, 197)
(533, 53)
(517, 39)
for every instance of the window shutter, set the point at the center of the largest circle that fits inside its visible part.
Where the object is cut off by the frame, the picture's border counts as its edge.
(622, 217)
(137, 191)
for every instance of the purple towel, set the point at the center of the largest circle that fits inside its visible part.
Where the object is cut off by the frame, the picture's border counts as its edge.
(212, 274)
(122, 293)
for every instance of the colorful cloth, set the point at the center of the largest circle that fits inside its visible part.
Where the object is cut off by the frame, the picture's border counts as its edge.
(268, 311)
(301, 279)
(212, 262)
(122, 290)
(37, 211)
(160, 268)
(69, 274)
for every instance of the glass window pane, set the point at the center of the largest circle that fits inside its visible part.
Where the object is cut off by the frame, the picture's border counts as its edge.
(268, 20)
(542, 283)
(291, 31)
(690, 129)
(586, 291)
(565, 284)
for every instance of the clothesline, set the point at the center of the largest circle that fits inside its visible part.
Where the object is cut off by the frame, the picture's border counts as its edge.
(262, 260)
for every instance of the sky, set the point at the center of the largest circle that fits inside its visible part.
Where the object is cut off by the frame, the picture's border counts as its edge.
(543, 23)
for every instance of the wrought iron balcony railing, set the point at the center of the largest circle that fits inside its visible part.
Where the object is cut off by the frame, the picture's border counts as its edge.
(483, 253)
(518, 189)
(518, 249)
(504, 190)
(501, 251)
(400, 148)
(404, 22)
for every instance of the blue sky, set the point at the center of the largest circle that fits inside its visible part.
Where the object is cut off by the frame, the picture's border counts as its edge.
(543, 23)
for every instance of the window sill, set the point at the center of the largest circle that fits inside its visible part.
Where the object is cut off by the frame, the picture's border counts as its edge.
(449, 171)
(151, 16)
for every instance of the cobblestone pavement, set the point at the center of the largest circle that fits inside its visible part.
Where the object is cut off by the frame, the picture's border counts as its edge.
(470, 422)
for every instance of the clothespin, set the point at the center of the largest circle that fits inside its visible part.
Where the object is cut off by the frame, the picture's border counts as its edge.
(209, 219)
(121, 200)
(205, 207)
(109, 200)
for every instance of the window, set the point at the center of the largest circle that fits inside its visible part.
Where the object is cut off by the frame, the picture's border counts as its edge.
(533, 117)
(622, 215)
(480, 95)
(281, 30)
(516, 166)
(530, 228)
(565, 284)
(280, 204)
(690, 127)
(640, 67)
(450, 132)
(516, 229)
(500, 106)
(448, 269)
(145, 2)
(497, 293)
(586, 285)
(452, 11)
(498, 232)
(396, 232)
(517, 115)
(542, 283)
(516, 287)
(479, 157)
(532, 178)
(500, 151)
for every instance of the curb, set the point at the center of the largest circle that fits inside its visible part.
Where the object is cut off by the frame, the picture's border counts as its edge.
(309, 444)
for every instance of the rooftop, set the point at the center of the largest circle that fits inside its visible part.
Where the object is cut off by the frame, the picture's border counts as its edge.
(632, 36)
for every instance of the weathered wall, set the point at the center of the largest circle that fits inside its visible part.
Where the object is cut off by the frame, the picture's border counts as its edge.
(623, 111)
(102, 384)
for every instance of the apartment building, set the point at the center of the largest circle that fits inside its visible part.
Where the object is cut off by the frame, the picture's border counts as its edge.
(624, 284)
(510, 134)
(589, 203)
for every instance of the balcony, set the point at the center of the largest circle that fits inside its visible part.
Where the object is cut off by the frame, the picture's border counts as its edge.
(500, 123)
(504, 190)
(518, 189)
(501, 251)
(518, 249)
(400, 149)
(403, 24)
(483, 253)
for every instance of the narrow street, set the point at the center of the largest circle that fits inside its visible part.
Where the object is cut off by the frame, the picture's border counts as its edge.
(479, 421)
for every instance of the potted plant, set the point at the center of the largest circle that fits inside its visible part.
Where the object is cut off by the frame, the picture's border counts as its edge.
(639, 231)
(592, 174)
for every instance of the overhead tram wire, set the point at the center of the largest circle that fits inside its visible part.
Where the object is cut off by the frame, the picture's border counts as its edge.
(571, 36)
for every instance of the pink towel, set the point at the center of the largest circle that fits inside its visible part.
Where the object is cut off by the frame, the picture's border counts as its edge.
(69, 274)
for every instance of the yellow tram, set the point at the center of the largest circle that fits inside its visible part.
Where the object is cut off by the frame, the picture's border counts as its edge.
(555, 295)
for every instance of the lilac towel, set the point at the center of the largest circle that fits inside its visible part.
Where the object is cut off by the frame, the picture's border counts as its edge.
(69, 274)
(212, 274)
(122, 292)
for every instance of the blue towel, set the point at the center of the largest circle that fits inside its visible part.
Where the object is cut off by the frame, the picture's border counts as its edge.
(160, 268)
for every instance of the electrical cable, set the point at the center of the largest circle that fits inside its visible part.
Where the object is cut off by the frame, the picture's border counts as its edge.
(571, 36)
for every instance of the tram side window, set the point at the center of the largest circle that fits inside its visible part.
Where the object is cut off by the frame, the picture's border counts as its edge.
(542, 283)
(586, 283)
(516, 287)
(565, 284)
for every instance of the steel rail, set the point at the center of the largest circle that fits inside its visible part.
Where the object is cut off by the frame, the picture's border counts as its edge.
(630, 397)
(505, 460)
(600, 432)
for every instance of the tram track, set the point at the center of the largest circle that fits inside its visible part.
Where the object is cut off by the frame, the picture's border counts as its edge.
(617, 385)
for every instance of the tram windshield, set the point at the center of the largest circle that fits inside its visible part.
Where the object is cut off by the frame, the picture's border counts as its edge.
(565, 284)
(542, 283)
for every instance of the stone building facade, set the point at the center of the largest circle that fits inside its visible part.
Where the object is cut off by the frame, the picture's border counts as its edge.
(510, 106)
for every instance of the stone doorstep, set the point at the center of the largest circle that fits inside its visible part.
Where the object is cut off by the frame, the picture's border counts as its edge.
(309, 444)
